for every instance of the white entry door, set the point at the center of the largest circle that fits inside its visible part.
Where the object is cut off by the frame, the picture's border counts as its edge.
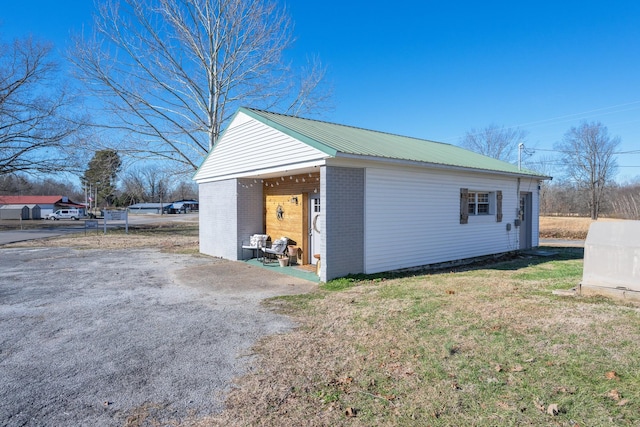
(314, 228)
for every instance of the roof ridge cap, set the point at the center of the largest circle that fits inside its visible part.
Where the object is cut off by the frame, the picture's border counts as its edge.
(257, 110)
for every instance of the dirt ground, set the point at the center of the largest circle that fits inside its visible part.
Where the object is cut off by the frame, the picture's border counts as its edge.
(130, 330)
(166, 236)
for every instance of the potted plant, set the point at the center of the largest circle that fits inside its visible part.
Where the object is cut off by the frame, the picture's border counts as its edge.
(283, 259)
(293, 254)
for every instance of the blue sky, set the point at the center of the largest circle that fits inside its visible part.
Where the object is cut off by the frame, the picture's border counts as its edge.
(435, 70)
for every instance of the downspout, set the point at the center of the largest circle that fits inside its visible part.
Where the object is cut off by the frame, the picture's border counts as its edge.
(518, 214)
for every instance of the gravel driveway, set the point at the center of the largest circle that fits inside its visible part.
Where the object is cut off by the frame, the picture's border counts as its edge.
(96, 337)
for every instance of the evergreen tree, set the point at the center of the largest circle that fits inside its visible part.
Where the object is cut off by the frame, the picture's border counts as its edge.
(101, 176)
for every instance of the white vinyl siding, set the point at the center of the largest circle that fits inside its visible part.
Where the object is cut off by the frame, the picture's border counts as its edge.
(412, 218)
(250, 146)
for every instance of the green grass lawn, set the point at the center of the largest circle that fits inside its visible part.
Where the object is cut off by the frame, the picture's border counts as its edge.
(489, 346)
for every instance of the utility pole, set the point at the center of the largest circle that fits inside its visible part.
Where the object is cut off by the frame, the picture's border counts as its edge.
(520, 148)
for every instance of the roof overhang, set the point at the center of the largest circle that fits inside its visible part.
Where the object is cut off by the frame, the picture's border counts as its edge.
(413, 163)
(288, 169)
(310, 167)
(71, 205)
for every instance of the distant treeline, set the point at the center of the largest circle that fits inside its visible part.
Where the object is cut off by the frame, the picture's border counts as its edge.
(621, 200)
(131, 189)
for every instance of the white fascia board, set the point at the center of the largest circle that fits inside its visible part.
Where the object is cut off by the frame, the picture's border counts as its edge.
(413, 163)
(292, 168)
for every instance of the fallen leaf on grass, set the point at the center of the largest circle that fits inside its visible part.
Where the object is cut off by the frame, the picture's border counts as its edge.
(346, 380)
(614, 394)
(563, 389)
(623, 402)
(517, 368)
(341, 383)
(612, 375)
(504, 405)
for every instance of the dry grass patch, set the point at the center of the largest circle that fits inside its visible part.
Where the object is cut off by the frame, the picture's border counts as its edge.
(554, 227)
(483, 347)
(170, 237)
(564, 227)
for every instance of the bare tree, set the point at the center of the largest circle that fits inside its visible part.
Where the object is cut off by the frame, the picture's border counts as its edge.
(185, 190)
(626, 202)
(561, 198)
(15, 184)
(172, 72)
(133, 187)
(157, 183)
(494, 141)
(589, 158)
(32, 108)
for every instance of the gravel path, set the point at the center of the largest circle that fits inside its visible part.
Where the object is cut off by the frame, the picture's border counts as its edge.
(97, 337)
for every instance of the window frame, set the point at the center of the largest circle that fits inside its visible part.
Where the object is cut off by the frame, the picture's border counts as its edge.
(476, 207)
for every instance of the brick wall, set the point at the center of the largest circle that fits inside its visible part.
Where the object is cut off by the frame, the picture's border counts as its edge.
(343, 214)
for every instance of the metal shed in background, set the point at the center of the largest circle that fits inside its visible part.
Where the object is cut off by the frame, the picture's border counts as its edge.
(146, 208)
(14, 212)
(34, 212)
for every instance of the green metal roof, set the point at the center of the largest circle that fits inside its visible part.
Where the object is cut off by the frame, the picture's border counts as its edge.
(335, 139)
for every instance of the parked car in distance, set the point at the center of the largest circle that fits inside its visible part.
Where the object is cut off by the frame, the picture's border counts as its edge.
(74, 214)
(182, 207)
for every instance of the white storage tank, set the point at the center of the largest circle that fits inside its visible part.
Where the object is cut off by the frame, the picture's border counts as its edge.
(612, 259)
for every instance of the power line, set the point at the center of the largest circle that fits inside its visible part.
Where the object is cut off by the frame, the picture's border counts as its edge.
(578, 114)
(562, 151)
(548, 149)
(566, 117)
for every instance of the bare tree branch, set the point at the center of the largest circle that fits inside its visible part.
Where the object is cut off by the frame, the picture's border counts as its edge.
(170, 73)
(498, 142)
(589, 158)
(33, 127)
